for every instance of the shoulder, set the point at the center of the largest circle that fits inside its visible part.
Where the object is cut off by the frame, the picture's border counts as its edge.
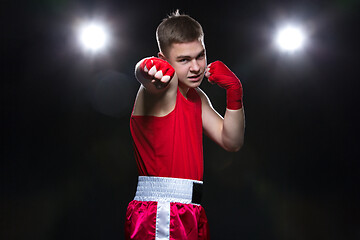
(200, 92)
(204, 98)
(158, 103)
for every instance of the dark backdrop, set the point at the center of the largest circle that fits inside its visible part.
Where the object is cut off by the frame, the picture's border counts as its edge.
(67, 167)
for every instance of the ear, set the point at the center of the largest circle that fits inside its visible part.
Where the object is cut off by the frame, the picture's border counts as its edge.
(161, 56)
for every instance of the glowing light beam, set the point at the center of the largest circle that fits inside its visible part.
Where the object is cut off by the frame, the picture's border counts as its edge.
(93, 36)
(290, 38)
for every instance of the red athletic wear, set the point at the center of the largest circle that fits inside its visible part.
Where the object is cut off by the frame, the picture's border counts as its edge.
(187, 221)
(169, 146)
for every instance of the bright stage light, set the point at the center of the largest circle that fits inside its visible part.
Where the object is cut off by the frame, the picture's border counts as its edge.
(290, 38)
(93, 36)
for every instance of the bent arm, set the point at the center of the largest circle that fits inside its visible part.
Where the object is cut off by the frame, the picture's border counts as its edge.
(227, 131)
(233, 129)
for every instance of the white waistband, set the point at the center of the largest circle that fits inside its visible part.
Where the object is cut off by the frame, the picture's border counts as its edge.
(162, 189)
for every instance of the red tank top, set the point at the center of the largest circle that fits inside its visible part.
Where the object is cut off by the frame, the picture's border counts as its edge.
(170, 146)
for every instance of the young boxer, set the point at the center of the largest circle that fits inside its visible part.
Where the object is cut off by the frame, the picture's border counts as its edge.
(169, 117)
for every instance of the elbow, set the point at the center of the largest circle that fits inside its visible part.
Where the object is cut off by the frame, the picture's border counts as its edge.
(234, 147)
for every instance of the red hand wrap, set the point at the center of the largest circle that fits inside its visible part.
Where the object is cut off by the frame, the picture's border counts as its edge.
(159, 64)
(225, 78)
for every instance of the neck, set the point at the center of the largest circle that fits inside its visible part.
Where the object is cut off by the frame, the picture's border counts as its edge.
(183, 90)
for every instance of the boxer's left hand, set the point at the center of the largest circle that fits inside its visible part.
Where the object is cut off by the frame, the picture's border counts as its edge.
(217, 72)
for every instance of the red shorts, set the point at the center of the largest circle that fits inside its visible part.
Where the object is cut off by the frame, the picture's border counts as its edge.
(147, 220)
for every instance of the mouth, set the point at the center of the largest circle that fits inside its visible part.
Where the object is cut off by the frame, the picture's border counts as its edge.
(195, 78)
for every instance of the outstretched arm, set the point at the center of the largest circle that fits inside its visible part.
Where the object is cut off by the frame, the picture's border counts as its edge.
(157, 93)
(228, 132)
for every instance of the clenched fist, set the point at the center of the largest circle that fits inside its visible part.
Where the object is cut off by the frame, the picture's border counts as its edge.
(159, 71)
(219, 73)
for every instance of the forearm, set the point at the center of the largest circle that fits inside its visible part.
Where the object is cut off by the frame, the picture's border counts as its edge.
(233, 130)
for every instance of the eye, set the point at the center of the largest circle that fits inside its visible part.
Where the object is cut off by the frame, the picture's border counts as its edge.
(183, 60)
(201, 56)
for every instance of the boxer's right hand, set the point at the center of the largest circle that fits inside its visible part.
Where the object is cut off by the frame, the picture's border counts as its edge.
(158, 71)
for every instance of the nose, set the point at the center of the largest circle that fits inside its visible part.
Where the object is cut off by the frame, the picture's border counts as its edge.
(195, 67)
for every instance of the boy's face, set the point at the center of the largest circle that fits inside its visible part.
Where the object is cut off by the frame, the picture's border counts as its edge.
(189, 61)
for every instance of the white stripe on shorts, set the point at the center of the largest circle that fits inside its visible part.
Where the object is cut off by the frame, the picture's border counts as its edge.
(162, 221)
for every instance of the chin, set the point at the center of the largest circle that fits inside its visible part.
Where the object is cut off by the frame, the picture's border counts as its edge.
(194, 84)
(190, 84)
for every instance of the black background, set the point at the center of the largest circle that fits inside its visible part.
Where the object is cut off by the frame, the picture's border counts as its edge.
(67, 166)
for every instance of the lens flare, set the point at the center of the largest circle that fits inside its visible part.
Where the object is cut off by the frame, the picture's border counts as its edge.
(93, 36)
(290, 38)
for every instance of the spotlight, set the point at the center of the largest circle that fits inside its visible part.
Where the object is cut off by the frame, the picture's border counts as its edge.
(290, 38)
(93, 36)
